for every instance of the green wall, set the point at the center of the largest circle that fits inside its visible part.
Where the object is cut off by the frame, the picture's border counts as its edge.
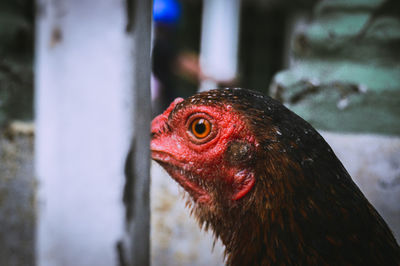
(345, 74)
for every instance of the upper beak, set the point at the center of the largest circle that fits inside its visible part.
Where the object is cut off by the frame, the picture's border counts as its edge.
(158, 124)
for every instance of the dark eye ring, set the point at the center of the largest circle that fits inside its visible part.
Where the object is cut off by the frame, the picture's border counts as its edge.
(200, 128)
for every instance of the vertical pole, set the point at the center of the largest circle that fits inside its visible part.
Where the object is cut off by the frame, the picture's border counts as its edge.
(137, 187)
(219, 41)
(86, 112)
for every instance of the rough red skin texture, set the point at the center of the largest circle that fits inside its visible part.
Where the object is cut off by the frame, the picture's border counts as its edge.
(180, 148)
(268, 185)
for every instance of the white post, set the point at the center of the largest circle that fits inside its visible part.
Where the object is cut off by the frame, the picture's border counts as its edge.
(219, 41)
(137, 246)
(84, 119)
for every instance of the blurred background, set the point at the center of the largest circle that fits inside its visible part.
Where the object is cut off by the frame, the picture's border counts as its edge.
(66, 88)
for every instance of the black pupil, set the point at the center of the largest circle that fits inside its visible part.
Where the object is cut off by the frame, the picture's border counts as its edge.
(200, 127)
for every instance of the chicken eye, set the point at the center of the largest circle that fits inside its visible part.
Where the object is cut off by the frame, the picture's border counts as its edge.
(200, 128)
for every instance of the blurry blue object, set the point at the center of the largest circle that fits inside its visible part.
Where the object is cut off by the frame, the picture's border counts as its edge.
(166, 11)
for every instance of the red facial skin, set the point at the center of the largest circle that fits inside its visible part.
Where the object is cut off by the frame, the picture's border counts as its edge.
(182, 154)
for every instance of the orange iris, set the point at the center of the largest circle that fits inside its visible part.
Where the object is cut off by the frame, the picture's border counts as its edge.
(200, 128)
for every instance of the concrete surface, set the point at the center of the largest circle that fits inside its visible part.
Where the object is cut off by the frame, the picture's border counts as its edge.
(17, 196)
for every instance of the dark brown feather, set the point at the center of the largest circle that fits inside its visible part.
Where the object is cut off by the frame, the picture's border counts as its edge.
(304, 208)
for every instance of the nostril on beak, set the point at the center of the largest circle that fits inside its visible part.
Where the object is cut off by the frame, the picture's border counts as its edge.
(154, 133)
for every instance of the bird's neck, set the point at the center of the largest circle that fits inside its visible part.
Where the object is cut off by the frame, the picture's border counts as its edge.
(245, 241)
(256, 236)
(253, 233)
